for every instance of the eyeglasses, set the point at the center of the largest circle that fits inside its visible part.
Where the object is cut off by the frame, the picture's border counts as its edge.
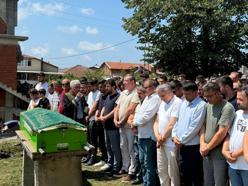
(147, 87)
(65, 84)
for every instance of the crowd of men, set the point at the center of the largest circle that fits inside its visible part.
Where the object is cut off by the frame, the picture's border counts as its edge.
(159, 132)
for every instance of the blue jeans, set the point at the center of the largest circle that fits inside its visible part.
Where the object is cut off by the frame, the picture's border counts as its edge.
(238, 177)
(148, 157)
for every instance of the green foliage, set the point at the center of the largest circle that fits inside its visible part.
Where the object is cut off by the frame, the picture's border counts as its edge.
(191, 36)
(94, 74)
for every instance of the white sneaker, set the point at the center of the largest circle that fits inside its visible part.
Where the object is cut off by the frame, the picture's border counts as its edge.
(99, 164)
(104, 167)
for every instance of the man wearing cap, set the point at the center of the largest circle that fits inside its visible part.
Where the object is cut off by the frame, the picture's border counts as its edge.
(42, 83)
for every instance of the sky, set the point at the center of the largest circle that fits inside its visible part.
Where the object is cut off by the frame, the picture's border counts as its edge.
(89, 30)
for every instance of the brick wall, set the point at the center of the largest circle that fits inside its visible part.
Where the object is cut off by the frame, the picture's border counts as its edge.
(8, 65)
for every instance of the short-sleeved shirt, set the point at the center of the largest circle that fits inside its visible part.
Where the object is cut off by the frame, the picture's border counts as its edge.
(44, 103)
(101, 102)
(240, 125)
(109, 107)
(233, 101)
(165, 112)
(218, 115)
(93, 97)
(124, 100)
(41, 85)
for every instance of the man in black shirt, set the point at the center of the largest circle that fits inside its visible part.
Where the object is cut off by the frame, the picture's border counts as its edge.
(226, 88)
(112, 136)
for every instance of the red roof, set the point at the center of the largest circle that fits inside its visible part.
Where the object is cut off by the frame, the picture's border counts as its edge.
(77, 71)
(125, 66)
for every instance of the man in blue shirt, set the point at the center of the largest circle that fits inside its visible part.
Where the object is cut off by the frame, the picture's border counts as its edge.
(185, 135)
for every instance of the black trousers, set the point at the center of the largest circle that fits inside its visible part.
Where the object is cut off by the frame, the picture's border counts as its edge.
(96, 138)
(191, 165)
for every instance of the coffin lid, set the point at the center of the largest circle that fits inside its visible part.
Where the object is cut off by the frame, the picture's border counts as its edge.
(39, 120)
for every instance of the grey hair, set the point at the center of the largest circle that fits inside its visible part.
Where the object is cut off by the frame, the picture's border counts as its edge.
(164, 88)
(211, 86)
(74, 82)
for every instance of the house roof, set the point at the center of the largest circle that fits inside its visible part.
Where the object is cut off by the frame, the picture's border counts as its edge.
(125, 66)
(77, 71)
(31, 57)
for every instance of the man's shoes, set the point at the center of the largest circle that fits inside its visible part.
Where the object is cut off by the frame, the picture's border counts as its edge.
(137, 182)
(105, 168)
(99, 164)
(128, 178)
(121, 172)
(91, 161)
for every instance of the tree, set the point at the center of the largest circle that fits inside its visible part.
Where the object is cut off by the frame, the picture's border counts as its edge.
(191, 36)
(94, 74)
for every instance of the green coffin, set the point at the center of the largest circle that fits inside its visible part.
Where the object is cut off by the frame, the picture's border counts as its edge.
(51, 131)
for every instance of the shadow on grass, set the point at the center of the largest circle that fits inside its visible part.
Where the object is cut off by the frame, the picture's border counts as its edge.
(97, 175)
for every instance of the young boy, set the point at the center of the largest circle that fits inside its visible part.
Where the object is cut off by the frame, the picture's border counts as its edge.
(43, 102)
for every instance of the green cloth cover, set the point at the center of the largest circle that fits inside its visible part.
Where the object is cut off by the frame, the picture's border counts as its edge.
(40, 119)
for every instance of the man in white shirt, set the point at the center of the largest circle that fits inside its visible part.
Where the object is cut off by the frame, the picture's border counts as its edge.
(167, 116)
(144, 120)
(42, 83)
(233, 145)
(92, 102)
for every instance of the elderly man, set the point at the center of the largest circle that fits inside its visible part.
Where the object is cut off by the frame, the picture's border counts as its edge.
(219, 118)
(126, 105)
(166, 150)
(66, 88)
(233, 145)
(144, 120)
(68, 102)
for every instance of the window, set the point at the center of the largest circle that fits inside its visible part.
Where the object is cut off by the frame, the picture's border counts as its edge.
(24, 63)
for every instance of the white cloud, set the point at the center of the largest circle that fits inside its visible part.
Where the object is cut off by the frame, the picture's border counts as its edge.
(88, 46)
(87, 11)
(40, 51)
(48, 9)
(91, 30)
(68, 51)
(69, 29)
(22, 2)
(86, 58)
(23, 13)
(23, 9)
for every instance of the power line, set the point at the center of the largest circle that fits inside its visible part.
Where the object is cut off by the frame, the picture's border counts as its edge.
(94, 51)
(102, 20)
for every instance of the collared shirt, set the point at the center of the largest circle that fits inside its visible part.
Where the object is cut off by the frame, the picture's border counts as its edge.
(145, 117)
(54, 101)
(190, 120)
(92, 98)
(167, 111)
(125, 99)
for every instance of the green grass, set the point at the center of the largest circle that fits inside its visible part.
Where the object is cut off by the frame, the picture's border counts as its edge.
(11, 169)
